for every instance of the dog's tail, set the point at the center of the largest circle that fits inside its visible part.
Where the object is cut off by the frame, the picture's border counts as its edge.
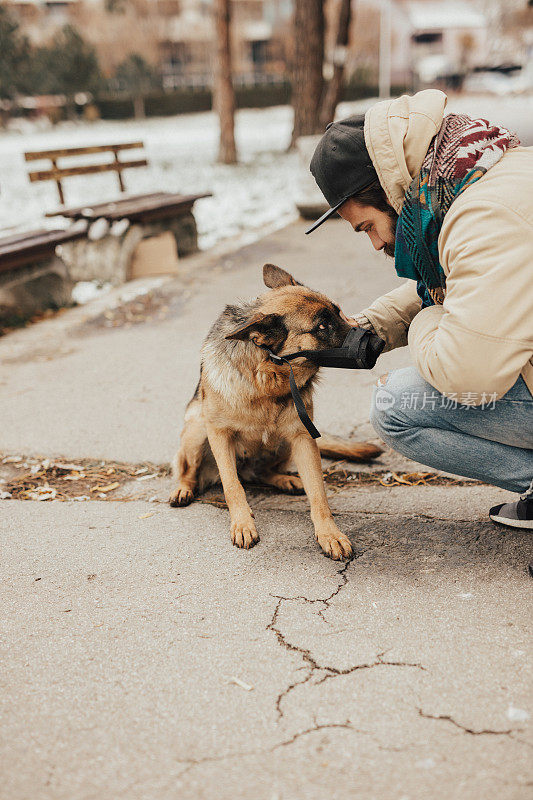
(349, 449)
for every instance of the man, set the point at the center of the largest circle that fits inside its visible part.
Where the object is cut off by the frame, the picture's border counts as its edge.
(452, 200)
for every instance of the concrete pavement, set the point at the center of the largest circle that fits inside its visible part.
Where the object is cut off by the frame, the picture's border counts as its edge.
(145, 657)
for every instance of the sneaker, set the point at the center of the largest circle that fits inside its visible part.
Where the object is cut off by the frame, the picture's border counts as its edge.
(515, 515)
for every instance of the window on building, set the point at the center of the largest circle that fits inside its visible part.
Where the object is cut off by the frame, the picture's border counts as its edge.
(432, 37)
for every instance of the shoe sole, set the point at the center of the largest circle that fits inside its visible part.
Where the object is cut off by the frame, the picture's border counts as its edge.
(524, 524)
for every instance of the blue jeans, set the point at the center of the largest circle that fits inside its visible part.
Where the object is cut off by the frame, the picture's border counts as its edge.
(491, 441)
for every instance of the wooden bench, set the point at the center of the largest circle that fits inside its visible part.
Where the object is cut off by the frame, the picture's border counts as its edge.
(32, 277)
(155, 207)
(32, 247)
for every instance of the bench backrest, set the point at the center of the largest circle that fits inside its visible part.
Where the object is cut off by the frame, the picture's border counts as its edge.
(56, 173)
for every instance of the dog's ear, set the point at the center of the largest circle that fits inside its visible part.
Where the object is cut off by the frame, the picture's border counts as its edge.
(262, 328)
(274, 277)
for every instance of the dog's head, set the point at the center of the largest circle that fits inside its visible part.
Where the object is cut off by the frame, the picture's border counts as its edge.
(292, 317)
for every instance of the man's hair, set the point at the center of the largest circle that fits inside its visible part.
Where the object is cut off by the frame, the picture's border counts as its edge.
(374, 195)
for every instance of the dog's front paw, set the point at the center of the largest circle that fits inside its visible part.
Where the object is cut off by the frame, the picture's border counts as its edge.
(244, 533)
(335, 544)
(182, 496)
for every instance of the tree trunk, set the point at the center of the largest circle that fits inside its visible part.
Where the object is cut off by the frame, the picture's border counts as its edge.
(307, 80)
(333, 92)
(138, 106)
(223, 92)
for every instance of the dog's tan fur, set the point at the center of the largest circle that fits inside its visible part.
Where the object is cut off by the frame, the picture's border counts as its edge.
(242, 420)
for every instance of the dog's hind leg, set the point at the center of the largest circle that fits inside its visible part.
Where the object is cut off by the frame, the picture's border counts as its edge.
(290, 484)
(188, 460)
(275, 472)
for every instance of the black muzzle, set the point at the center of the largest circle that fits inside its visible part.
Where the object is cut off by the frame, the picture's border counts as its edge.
(360, 350)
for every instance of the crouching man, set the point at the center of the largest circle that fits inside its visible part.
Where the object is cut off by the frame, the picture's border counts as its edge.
(451, 199)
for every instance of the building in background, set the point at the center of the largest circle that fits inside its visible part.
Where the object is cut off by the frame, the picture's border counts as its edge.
(175, 36)
(441, 41)
(436, 40)
(432, 41)
(40, 19)
(259, 53)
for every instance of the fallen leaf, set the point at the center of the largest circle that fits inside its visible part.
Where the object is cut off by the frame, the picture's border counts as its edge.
(240, 683)
(104, 489)
(67, 467)
(44, 492)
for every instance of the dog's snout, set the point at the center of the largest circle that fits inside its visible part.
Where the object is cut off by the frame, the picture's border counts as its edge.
(342, 329)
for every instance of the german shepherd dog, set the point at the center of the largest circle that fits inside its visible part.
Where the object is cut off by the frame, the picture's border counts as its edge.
(242, 420)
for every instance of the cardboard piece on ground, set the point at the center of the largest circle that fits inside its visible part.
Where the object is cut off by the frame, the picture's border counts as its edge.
(157, 255)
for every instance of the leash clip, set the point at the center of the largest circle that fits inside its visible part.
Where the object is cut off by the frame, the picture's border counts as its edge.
(275, 358)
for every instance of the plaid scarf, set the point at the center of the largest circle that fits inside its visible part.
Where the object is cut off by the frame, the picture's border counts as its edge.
(461, 153)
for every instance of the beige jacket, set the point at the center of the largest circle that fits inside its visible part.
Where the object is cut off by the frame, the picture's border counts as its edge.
(481, 339)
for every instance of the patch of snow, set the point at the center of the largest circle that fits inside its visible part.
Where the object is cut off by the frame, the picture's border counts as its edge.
(98, 229)
(136, 289)
(119, 227)
(181, 150)
(84, 291)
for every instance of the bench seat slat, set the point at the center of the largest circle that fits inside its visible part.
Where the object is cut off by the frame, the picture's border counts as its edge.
(139, 206)
(77, 211)
(132, 207)
(160, 210)
(16, 237)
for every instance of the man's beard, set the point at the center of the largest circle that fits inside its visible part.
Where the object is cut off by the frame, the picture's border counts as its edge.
(389, 247)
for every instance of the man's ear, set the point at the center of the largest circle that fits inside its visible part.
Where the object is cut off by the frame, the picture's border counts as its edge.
(274, 277)
(263, 328)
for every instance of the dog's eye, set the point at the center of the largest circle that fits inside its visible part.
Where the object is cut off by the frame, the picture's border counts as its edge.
(321, 327)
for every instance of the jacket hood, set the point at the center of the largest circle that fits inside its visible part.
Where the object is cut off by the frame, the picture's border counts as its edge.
(397, 136)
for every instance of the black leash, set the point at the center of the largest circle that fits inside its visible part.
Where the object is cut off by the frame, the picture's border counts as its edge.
(296, 396)
(360, 350)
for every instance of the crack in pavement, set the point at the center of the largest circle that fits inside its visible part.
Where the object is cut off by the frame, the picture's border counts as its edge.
(191, 763)
(379, 662)
(311, 665)
(195, 762)
(465, 728)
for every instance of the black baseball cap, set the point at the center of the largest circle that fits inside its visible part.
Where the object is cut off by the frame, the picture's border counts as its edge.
(341, 165)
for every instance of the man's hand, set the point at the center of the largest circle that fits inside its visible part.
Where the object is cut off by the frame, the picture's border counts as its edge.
(350, 320)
